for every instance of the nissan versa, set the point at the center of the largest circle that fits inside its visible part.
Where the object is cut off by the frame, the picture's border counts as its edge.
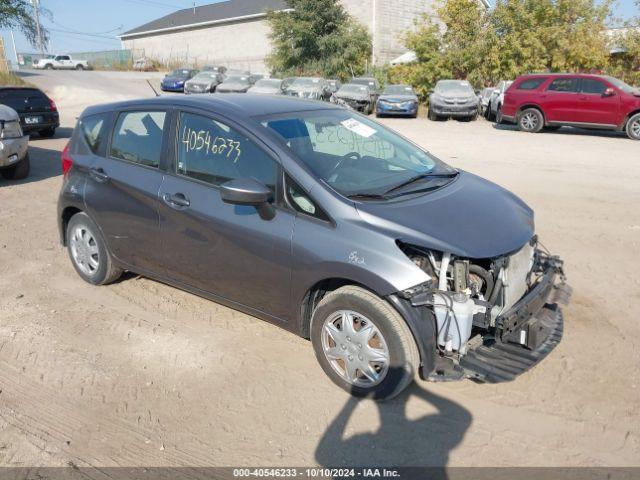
(321, 221)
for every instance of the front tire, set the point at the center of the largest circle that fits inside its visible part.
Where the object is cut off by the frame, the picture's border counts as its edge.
(433, 116)
(18, 171)
(88, 251)
(363, 344)
(531, 120)
(633, 127)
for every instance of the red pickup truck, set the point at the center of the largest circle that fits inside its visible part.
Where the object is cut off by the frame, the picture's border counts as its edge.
(551, 100)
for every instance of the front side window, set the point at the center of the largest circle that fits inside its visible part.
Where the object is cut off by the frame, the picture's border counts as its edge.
(94, 131)
(593, 86)
(301, 201)
(355, 156)
(212, 152)
(137, 137)
(564, 85)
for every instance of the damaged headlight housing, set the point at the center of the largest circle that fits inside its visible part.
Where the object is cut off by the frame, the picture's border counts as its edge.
(10, 130)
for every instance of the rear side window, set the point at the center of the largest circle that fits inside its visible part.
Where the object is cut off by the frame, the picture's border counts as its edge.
(213, 152)
(137, 137)
(564, 85)
(593, 86)
(94, 131)
(531, 84)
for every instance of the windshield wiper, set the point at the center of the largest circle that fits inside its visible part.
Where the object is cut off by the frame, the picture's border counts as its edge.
(422, 176)
(367, 196)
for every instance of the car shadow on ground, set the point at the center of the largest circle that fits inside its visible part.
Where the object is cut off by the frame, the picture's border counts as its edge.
(61, 132)
(566, 131)
(399, 441)
(45, 163)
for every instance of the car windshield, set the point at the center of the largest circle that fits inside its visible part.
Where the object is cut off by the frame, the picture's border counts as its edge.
(453, 86)
(268, 83)
(356, 156)
(398, 90)
(621, 85)
(180, 72)
(306, 82)
(206, 76)
(353, 88)
(237, 79)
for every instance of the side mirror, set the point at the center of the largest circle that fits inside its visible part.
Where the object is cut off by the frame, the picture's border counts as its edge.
(245, 191)
(609, 92)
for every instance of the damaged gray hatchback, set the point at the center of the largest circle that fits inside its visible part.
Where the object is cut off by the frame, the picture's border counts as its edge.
(321, 221)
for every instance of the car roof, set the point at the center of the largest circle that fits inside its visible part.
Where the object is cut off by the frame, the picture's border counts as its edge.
(239, 104)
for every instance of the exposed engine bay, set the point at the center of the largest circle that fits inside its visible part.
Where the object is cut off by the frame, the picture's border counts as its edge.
(480, 302)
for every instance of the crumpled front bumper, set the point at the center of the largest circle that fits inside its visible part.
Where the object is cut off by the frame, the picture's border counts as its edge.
(526, 333)
(13, 150)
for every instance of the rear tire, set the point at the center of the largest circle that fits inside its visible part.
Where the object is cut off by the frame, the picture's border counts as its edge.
(531, 120)
(391, 360)
(88, 251)
(79, 67)
(633, 127)
(18, 171)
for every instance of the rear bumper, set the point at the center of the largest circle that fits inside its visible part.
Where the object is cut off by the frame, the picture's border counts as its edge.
(13, 150)
(46, 120)
(525, 334)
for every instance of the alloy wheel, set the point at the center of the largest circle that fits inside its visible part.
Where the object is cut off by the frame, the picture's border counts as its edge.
(529, 121)
(84, 250)
(355, 348)
(635, 128)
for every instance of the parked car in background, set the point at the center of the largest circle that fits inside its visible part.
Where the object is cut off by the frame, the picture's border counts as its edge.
(355, 96)
(453, 99)
(497, 99)
(334, 85)
(214, 68)
(61, 62)
(14, 155)
(554, 100)
(267, 86)
(144, 65)
(286, 83)
(484, 97)
(203, 82)
(397, 100)
(371, 82)
(174, 81)
(235, 84)
(38, 113)
(322, 222)
(314, 88)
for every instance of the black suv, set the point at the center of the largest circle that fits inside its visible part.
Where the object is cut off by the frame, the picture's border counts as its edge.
(38, 113)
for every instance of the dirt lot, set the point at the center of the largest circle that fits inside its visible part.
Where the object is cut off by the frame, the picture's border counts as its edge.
(141, 374)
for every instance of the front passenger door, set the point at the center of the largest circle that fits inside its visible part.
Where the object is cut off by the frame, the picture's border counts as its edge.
(227, 250)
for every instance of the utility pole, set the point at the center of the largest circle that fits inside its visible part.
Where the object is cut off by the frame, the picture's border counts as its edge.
(15, 52)
(36, 9)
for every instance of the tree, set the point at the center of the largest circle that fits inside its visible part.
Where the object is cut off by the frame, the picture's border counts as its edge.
(19, 14)
(317, 37)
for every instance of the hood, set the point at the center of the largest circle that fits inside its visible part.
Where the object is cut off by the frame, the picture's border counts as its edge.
(471, 217)
(174, 79)
(352, 96)
(264, 90)
(456, 94)
(233, 86)
(398, 98)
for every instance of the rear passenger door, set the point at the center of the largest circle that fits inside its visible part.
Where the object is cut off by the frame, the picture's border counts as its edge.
(121, 192)
(227, 250)
(594, 106)
(560, 99)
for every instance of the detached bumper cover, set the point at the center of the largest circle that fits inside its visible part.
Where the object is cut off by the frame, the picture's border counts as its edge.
(525, 334)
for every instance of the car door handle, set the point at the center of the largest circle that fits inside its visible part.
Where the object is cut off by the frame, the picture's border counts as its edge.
(177, 201)
(98, 175)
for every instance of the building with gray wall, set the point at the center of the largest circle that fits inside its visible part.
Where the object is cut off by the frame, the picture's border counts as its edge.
(235, 33)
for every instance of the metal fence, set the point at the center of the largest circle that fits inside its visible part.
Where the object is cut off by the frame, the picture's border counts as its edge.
(104, 60)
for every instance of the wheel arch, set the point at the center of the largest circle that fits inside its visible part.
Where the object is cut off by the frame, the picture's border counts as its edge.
(629, 117)
(527, 106)
(65, 217)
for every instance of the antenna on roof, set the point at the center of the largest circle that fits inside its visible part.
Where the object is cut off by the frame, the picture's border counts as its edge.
(154, 90)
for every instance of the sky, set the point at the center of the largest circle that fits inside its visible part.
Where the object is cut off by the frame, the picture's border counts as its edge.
(92, 25)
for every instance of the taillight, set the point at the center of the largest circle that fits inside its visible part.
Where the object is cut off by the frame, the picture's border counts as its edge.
(53, 105)
(67, 161)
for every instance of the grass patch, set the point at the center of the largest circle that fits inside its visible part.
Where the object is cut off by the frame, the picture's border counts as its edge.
(11, 79)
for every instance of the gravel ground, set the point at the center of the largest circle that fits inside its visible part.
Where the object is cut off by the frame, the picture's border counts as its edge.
(142, 374)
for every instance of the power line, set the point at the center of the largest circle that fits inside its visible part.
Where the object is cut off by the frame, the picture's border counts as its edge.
(157, 4)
